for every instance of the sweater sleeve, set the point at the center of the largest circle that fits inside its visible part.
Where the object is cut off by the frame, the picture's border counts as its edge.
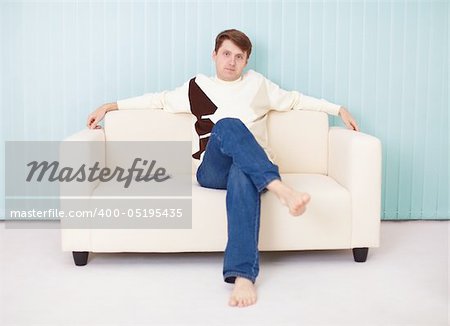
(281, 100)
(175, 101)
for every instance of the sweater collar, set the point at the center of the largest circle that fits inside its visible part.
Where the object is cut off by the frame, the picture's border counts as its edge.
(224, 82)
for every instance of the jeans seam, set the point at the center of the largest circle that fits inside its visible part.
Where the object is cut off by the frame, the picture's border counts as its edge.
(255, 236)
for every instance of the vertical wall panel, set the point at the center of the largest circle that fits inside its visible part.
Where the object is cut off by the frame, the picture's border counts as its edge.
(191, 37)
(205, 35)
(288, 44)
(387, 61)
(178, 73)
(408, 110)
(164, 46)
(342, 52)
(356, 57)
(261, 56)
(444, 133)
(368, 115)
(137, 58)
(151, 50)
(393, 115)
(4, 100)
(383, 90)
(249, 18)
(302, 50)
(20, 63)
(68, 82)
(420, 115)
(315, 49)
(124, 46)
(435, 59)
(329, 44)
(274, 20)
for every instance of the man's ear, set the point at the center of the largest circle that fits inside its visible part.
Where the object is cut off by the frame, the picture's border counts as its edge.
(214, 55)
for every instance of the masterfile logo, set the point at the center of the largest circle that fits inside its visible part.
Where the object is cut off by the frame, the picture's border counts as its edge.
(100, 184)
(94, 173)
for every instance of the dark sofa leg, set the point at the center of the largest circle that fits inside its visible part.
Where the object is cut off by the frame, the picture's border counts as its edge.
(360, 254)
(80, 257)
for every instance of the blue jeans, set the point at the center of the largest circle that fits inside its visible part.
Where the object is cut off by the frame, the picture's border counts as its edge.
(233, 160)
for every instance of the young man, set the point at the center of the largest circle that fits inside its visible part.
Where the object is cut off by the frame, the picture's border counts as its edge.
(231, 110)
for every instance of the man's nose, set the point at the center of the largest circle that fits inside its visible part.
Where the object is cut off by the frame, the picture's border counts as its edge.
(233, 61)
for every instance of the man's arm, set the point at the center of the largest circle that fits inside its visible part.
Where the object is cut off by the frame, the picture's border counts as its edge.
(283, 100)
(95, 117)
(175, 101)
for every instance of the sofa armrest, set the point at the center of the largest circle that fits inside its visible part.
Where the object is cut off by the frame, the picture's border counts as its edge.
(354, 161)
(87, 135)
(84, 147)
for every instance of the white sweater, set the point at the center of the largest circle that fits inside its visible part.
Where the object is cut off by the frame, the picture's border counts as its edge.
(249, 99)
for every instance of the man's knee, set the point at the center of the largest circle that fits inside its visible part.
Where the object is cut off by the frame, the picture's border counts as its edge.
(229, 124)
(209, 179)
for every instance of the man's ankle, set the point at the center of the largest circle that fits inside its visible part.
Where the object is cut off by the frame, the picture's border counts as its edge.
(242, 279)
(274, 185)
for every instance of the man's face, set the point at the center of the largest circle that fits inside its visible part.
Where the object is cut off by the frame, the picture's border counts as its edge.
(230, 61)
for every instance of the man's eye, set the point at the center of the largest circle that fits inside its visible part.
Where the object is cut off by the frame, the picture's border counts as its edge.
(227, 53)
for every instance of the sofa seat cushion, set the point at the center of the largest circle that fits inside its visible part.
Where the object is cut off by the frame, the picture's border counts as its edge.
(325, 224)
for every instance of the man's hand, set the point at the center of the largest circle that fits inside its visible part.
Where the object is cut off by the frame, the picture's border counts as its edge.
(348, 119)
(95, 117)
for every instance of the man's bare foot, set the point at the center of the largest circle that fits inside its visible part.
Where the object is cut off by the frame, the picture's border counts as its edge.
(296, 201)
(244, 293)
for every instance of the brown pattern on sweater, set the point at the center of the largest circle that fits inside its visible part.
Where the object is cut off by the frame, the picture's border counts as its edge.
(201, 105)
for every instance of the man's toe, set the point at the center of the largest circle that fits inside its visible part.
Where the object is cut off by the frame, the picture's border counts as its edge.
(233, 302)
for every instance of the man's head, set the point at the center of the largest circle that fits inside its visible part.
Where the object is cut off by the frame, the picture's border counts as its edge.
(231, 53)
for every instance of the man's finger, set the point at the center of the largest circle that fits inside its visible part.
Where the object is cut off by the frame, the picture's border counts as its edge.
(91, 120)
(348, 124)
(94, 124)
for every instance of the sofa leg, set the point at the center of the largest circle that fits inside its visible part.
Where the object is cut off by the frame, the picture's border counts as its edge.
(360, 254)
(80, 257)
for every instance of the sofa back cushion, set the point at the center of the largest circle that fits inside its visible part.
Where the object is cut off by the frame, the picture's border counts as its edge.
(298, 139)
(146, 125)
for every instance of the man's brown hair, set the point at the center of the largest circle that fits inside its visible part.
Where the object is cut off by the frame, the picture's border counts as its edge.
(237, 37)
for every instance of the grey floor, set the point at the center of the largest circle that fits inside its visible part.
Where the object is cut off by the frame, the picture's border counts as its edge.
(404, 282)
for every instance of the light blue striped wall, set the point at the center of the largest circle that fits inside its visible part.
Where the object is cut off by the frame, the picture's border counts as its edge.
(387, 61)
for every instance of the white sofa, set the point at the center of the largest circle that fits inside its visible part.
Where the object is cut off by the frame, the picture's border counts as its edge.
(341, 169)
